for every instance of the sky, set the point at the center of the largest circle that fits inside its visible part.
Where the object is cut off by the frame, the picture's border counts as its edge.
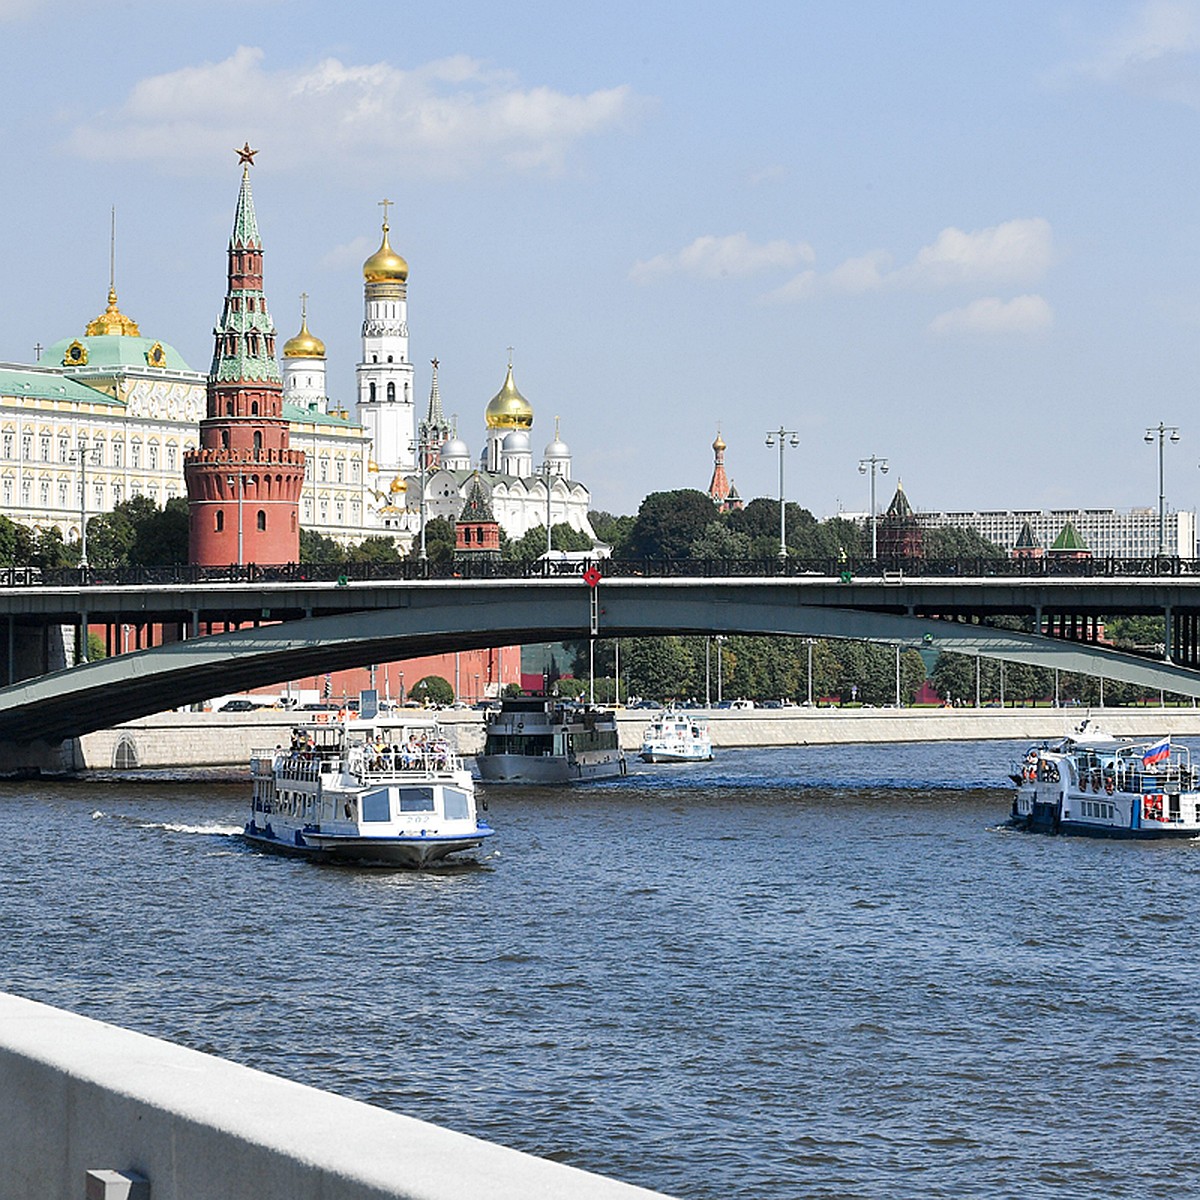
(963, 237)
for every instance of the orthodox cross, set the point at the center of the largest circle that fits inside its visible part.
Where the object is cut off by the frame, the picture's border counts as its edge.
(385, 205)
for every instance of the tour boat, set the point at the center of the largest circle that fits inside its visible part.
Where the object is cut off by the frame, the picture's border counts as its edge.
(1094, 783)
(536, 740)
(676, 737)
(386, 790)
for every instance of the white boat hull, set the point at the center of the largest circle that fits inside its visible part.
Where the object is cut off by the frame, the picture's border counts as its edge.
(383, 851)
(666, 754)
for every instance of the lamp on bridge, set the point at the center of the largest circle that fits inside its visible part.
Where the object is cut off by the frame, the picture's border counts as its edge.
(783, 435)
(873, 463)
(1162, 431)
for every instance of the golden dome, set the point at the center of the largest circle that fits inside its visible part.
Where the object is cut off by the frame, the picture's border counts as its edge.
(508, 409)
(719, 444)
(385, 265)
(304, 344)
(372, 467)
(112, 322)
(398, 485)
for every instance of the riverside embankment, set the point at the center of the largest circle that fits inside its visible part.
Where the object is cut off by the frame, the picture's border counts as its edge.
(188, 739)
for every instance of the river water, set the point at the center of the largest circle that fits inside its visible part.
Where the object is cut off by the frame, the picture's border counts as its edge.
(819, 972)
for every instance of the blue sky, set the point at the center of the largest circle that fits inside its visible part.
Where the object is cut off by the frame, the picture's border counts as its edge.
(962, 236)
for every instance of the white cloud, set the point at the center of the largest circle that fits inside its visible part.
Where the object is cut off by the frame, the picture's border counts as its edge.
(446, 118)
(1155, 54)
(991, 315)
(863, 274)
(710, 257)
(1017, 251)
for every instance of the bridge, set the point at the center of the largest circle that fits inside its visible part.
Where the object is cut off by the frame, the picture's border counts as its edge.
(243, 628)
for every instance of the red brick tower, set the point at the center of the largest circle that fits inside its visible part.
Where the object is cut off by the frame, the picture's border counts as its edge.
(244, 482)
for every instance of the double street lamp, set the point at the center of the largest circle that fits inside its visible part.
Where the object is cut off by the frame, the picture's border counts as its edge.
(1162, 431)
(873, 464)
(786, 437)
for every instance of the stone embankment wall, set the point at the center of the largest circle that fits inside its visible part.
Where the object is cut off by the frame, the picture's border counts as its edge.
(80, 1096)
(226, 739)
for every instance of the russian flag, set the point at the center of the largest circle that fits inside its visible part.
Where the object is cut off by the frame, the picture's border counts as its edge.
(1159, 752)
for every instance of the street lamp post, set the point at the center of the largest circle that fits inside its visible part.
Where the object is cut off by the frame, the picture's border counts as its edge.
(873, 463)
(1163, 432)
(548, 475)
(790, 438)
(238, 481)
(811, 642)
(81, 455)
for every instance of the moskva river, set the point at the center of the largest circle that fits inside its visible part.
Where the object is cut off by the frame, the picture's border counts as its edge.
(819, 972)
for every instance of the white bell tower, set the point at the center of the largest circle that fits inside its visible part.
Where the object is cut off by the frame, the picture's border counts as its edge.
(385, 375)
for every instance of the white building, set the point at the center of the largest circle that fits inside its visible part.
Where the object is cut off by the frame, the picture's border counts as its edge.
(1107, 531)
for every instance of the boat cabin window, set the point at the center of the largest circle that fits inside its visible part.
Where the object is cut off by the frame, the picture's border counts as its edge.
(375, 806)
(415, 800)
(454, 803)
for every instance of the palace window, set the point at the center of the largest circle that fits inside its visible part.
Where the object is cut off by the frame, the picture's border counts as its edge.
(171, 457)
(118, 453)
(324, 469)
(355, 467)
(152, 452)
(261, 521)
(98, 452)
(339, 467)
(45, 446)
(6, 488)
(63, 493)
(371, 393)
(98, 496)
(341, 513)
(27, 446)
(116, 493)
(391, 389)
(135, 455)
(64, 450)
(8, 444)
(25, 493)
(44, 493)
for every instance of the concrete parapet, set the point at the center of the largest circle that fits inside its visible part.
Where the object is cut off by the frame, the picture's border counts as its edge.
(78, 1095)
(190, 739)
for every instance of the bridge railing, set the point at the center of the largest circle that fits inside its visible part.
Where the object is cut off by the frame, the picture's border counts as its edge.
(844, 571)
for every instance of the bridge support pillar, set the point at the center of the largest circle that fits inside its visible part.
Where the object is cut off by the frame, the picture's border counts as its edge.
(1168, 634)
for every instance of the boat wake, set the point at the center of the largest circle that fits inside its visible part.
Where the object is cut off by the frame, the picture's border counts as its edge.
(169, 826)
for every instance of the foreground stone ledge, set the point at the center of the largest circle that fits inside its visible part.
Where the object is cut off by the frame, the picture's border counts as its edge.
(78, 1094)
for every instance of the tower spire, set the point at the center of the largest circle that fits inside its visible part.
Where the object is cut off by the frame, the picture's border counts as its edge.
(244, 481)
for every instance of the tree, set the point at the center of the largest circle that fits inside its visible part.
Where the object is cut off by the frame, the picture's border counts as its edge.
(137, 533)
(432, 689)
(668, 523)
(657, 667)
(613, 531)
(375, 549)
(160, 536)
(440, 539)
(955, 542)
(718, 541)
(319, 550)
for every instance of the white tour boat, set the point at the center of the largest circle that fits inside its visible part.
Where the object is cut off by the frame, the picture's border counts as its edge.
(676, 737)
(535, 740)
(1094, 783)
(382, 790)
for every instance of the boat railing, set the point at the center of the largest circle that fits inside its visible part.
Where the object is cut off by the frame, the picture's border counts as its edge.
(299, 765)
